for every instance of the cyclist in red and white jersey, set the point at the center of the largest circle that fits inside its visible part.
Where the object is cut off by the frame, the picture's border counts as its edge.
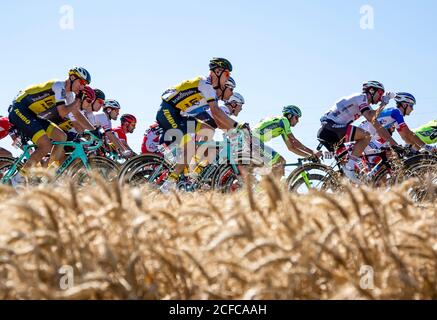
(151, 139)
(128, 124)
(5, 125)
(337, 129)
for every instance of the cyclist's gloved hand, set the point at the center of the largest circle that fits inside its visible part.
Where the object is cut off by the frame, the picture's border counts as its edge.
(427, 149)
(88, 94)
(387, 97)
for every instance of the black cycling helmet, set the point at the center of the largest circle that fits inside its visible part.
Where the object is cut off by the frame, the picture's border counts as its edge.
(220, 63)
(99, 94)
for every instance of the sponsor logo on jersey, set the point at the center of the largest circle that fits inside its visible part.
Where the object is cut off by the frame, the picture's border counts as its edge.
(22, 116)
(39, 97)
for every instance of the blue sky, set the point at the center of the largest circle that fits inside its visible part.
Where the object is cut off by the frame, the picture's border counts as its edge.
(308, 53)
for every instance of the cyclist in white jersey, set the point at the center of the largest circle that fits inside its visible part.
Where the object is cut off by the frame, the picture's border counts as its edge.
(111, 109)
(337, 129)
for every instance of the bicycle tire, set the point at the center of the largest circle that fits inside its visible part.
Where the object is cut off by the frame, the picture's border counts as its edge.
(135, 170)
(102, 166)
(330, 178)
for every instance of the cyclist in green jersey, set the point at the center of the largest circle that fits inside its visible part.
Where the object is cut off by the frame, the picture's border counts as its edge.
(271, 128)
(428, 132)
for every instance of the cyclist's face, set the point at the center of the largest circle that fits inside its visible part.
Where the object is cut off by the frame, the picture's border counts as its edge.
(378, 95)
(78, 84)
(294, 121)
(236, 108)
(114, 114)
(130, 127)
(97, 105)
(222, 75)
(228, 93)
(408, 108)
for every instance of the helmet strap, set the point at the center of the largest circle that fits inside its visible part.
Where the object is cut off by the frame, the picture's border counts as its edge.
(71, 84)
(219, 78)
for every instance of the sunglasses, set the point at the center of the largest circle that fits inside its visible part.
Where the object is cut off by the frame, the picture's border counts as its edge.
(83, 82)
(101, 101)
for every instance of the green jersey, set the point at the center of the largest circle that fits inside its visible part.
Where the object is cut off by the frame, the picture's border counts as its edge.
(271, 128)
(428, 132)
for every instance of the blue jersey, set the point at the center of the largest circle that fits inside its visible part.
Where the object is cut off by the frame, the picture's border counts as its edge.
(389, 118)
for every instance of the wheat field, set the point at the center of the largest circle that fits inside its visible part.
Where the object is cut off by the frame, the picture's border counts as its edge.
(138, 244)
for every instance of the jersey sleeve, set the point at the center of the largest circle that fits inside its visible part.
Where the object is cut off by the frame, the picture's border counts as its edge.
(399, 119)
(363, 104)
(103, 121)
(61, 96)
(207, 91)
(286, 128)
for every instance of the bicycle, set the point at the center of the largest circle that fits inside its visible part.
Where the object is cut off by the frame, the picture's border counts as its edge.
(76, 166)
(396, 165)
(223, 174)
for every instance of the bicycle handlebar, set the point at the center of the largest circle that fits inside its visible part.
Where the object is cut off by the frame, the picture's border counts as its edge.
(89, 143)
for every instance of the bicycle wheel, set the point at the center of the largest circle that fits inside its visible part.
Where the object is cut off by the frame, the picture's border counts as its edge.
(304, 184)
(5, 165)
(143, 169)
(102, 166)
(226, 180)
(313, 176)
(424, 169)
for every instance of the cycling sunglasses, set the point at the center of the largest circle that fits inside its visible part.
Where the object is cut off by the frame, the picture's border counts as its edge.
(83, 82)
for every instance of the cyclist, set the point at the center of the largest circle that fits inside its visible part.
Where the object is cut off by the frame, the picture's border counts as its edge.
(37, 108)
(128, 124)
(428, 132)
(280, 126)
(5, 126)
(337, 129)
(111, 110)
(189, 95)
(74, 124)
(151, 139)
(393, 117)
(232, 107)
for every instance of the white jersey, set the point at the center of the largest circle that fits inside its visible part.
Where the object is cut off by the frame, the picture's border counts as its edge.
(89, 115)
(348, 109)
(102, 120)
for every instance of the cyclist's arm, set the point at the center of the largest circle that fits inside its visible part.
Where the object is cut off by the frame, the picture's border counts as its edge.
(65, 109)
(115, 141)
(297, 147)
(370, 116)
(77, 126)
(222, 120)
(410, 138)
(83, 121)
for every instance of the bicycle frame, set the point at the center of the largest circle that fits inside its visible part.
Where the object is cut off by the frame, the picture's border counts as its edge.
(78, 153)
(303, 174)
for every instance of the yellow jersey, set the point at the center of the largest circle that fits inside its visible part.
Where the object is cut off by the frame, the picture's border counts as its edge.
(42, 99)
(190, 94)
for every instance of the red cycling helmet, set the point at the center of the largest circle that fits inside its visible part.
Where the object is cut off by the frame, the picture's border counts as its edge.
(128, 118)
(89, 94)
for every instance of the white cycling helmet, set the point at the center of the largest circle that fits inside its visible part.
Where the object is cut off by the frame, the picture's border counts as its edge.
(231, 83)
(81, 73)
(373, 84)
(405, 97)
(112, 104)
(236, 97)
